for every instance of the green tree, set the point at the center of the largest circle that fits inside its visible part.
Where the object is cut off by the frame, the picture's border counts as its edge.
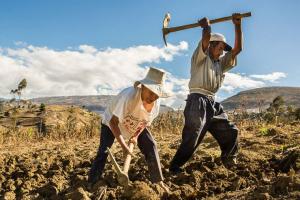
(277, 105)
(290, 109)
(1, 106)
(13, 92)
(297, 113)
(269, 117)
(42, 107)
(22, 85)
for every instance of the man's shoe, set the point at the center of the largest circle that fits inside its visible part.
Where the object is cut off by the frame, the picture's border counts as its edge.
(229, 162)
(92, 180)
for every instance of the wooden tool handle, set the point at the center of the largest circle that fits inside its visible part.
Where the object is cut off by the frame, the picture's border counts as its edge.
(213, 21)
(223, 19)
(128, 159)
(114, 161)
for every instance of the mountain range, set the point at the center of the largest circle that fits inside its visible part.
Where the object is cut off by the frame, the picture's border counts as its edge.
(249, 99)
(262, 97)
(96, 103)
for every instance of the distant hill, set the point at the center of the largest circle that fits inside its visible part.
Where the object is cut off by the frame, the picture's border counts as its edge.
(96, 103)
(251, 99)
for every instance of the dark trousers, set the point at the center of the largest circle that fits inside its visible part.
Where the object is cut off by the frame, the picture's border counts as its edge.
(203, 114)
(146, 144)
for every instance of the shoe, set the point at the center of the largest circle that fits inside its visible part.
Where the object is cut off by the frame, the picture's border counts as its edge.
(175, 170)
(229, 162)
(92, 186)
(92, 180)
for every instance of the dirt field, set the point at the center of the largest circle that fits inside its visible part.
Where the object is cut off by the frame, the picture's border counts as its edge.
(58, 169)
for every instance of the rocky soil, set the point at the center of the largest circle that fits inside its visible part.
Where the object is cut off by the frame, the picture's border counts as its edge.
(268, 168)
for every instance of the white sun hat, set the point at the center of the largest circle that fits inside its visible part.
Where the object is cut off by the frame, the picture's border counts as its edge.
(220, 38)
(154, 81)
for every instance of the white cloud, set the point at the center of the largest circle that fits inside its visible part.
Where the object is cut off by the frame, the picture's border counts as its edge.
(88, 49)
(235, 81)
(86, 70)
(270, 77)
(20, 43)
(179, 88)
(78, 71)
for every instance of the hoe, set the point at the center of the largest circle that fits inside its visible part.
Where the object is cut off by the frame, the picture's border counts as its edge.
(123, 178)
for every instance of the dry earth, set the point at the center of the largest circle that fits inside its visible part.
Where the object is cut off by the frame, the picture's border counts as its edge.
(268, 168)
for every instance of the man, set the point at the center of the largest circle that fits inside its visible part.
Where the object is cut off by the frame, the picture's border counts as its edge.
(202, 113)
(127, 117)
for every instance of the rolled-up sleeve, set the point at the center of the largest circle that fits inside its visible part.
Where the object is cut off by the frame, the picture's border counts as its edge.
(227, 62)
(198, 55)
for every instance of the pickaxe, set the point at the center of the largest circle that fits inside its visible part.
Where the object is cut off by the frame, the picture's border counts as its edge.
(167, 19)
(123, 178)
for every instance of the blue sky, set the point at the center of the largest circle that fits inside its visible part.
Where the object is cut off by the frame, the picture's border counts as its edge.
(270, 36)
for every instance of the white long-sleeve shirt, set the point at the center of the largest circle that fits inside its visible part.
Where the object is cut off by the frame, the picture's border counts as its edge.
(129, 109)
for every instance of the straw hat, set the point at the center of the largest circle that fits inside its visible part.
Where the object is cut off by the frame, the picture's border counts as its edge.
(154, 81)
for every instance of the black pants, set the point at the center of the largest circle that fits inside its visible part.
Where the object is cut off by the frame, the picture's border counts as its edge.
(203, 114)
(146, 144)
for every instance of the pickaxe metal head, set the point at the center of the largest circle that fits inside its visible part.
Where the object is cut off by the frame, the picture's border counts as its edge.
(165, 26)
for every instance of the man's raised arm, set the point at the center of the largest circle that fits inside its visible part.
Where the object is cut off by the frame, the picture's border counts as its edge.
(238, 42)
(204, 23)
